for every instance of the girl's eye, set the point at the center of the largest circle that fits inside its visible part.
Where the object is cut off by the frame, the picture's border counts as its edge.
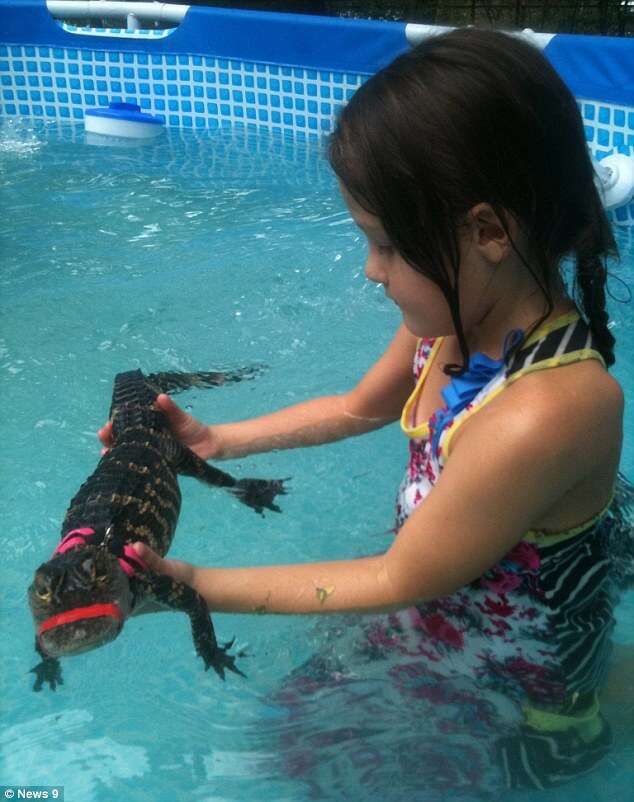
(387, 250)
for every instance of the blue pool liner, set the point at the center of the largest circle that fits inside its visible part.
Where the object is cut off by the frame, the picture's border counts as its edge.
(287, 73)
(273, 38)
(597, 67)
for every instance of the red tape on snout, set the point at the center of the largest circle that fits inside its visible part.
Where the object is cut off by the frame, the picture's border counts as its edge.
(79, 614)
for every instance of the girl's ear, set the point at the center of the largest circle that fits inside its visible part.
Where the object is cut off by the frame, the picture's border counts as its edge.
(488, 234)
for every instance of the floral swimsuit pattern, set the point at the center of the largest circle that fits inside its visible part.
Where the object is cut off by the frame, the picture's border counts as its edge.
(503, 674)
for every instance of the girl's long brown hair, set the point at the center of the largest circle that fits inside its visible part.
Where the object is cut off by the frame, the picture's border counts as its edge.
(478, 116)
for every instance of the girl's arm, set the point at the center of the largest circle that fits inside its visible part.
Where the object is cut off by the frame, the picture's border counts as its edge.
(375, 401)
(511, 464)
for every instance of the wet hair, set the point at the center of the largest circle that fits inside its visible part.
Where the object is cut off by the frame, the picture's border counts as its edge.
(477, 116)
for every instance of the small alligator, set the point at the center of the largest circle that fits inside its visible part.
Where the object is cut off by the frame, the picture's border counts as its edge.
(94, 580)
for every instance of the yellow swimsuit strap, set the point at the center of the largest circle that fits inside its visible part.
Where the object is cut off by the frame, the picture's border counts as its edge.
(565, 340)
(422, 429)
(562, 341)
(587, 722)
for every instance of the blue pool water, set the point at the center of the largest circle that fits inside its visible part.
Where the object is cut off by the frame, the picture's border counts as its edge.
(206, 251)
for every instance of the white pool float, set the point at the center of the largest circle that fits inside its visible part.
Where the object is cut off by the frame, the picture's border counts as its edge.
(122, 120)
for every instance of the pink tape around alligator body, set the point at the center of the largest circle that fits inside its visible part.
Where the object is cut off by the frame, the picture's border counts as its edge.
(77, 537)
(131, 554)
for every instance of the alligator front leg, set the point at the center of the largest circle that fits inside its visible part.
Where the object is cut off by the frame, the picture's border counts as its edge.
(178, 596)
(49, 670)
(259, 494)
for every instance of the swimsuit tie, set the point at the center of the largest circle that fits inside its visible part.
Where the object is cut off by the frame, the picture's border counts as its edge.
(461, 390)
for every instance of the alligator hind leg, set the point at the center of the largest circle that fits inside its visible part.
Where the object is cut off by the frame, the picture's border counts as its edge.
(178, 596)
(49, 670)
(174, 382)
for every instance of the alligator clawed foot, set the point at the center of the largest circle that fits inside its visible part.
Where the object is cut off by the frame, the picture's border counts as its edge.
(50, 671)
(220, 661)
(259, 494)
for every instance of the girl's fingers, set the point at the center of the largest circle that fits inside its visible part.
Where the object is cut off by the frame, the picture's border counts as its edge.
(176, 415)
(153, 560)
(180, 571)
(105, 434)
(150, 557)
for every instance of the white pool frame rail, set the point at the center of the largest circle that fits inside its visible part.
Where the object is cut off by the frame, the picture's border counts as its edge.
(132, 12)
(415, 34)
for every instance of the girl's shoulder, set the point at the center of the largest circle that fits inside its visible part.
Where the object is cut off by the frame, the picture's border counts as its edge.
(576, 409)
(582, 389)
(558, 429)
(576, 412)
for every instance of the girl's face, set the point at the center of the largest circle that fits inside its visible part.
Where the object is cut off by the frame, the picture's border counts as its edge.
(422, 304)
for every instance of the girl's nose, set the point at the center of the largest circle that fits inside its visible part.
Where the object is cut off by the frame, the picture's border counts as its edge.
(373, 270)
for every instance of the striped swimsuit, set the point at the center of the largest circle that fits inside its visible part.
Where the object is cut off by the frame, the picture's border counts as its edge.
(492, 687)
(537, 625)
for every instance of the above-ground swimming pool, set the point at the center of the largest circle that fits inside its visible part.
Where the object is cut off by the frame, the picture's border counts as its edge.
(211, 249)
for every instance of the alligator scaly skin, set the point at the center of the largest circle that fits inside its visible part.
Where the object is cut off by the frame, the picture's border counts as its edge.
(133, 495)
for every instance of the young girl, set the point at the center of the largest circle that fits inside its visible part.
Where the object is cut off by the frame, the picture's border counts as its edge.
(465, 165)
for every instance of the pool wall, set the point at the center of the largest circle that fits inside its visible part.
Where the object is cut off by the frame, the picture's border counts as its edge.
(286, 73)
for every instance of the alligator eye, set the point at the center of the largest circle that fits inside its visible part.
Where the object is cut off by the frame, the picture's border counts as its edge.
(42, 590)
(101, 578)
(90, 568)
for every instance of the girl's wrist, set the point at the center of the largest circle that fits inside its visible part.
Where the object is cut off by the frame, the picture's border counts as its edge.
(216, 446)
(199, 581)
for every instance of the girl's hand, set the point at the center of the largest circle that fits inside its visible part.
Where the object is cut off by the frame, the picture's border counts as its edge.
(197, 436)
(180, 571)
(191, 432)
